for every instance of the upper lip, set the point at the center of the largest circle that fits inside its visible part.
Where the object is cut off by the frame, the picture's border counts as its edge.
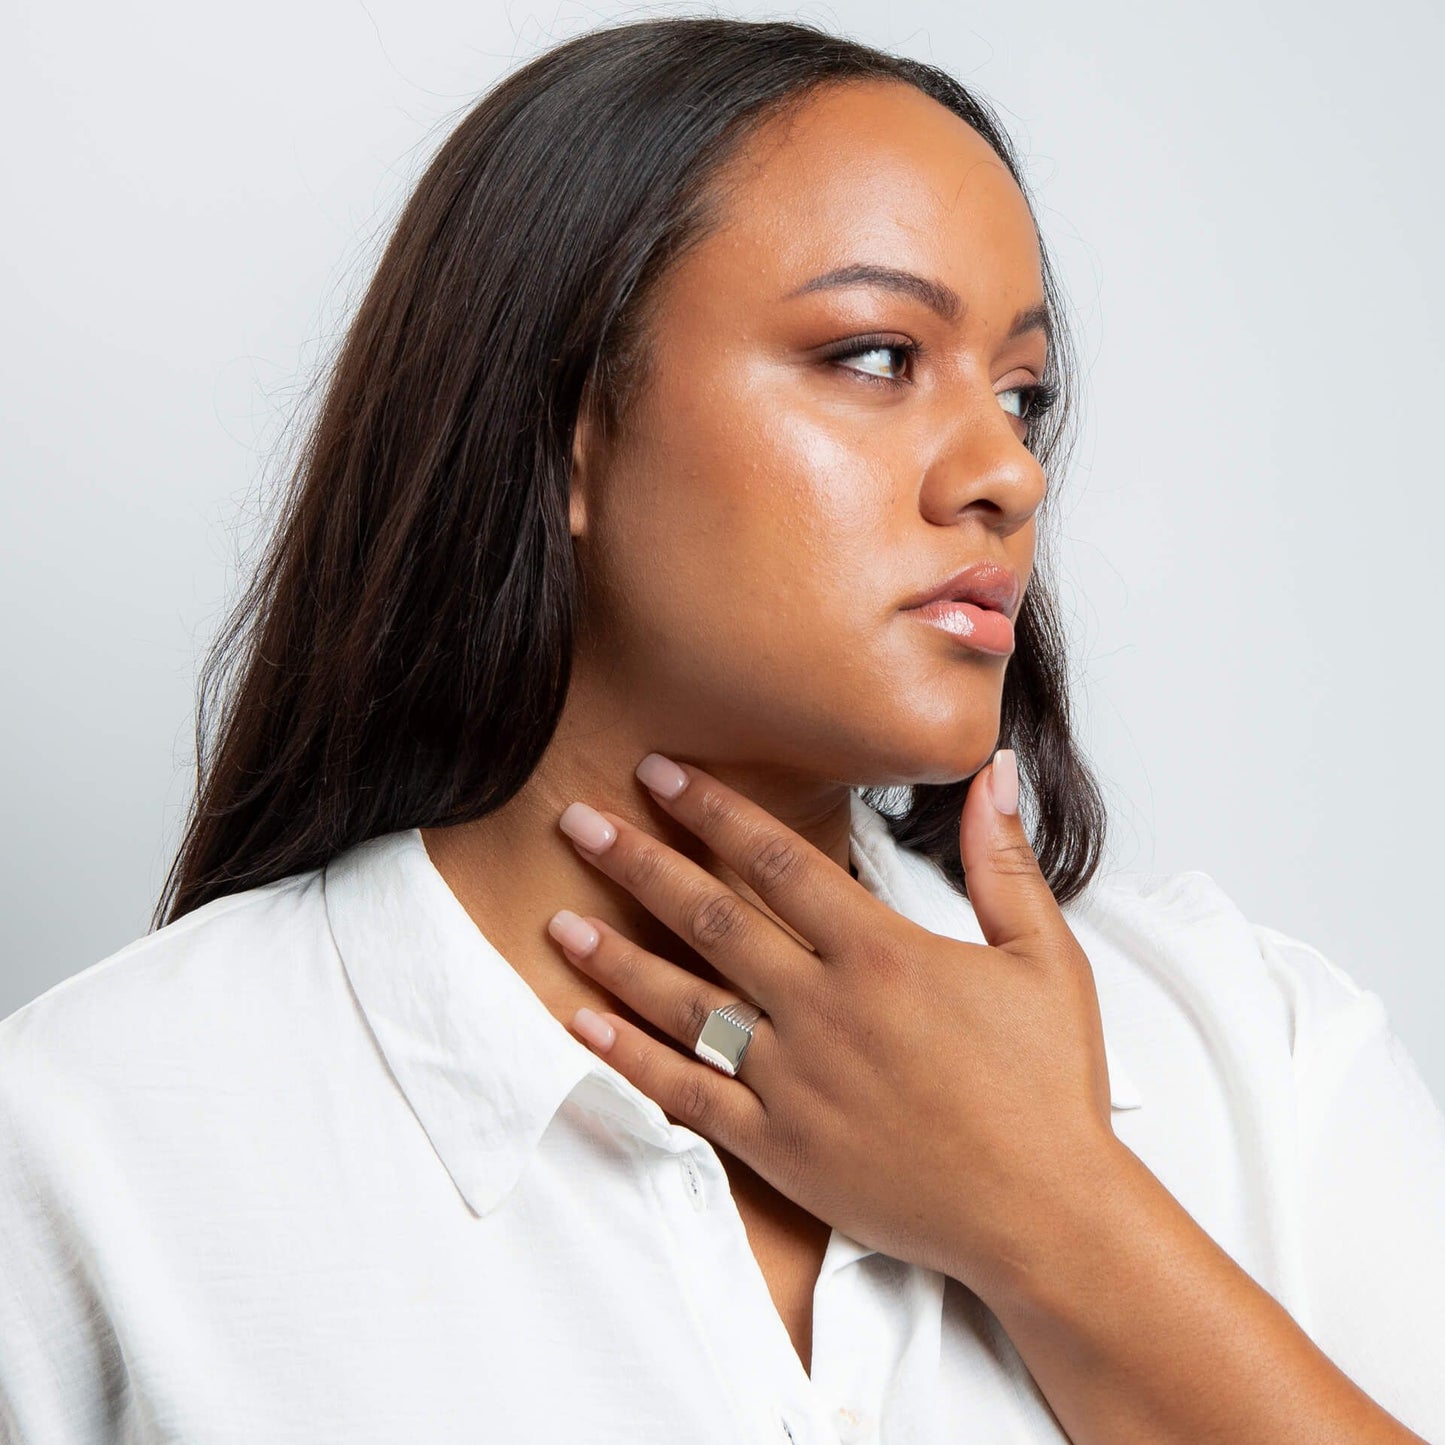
(985, 584)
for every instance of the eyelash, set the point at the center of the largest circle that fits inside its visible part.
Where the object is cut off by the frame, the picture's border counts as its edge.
(1038, 396)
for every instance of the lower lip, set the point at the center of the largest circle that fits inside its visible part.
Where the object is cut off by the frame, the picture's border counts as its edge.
(977, 627)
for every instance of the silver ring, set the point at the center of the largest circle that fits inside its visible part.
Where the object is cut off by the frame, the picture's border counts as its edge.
(726, 1035)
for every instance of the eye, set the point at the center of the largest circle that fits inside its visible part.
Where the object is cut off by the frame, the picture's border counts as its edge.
(877, 353)
(1028, 403)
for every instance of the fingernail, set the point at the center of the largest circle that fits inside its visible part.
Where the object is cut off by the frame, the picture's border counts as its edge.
(588, 827)
(1003, 781)
(594, 1028)
(661, 775)
(573, 933)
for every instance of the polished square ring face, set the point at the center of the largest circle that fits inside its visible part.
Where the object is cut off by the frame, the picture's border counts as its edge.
(726, 1035)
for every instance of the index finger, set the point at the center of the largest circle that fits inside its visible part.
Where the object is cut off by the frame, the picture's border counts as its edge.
(801, 884)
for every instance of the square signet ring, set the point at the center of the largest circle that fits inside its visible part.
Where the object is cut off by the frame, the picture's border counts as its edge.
(726, 1035)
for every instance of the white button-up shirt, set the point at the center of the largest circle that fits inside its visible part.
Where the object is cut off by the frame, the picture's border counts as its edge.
(313, 1163)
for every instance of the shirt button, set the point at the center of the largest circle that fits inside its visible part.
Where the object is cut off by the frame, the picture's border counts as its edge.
(853, 1425)
(692, 1180)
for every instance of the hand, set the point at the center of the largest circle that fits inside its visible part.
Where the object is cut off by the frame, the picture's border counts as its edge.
(928, 1097)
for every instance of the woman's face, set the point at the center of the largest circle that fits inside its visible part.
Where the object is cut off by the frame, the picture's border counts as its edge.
(751, 541)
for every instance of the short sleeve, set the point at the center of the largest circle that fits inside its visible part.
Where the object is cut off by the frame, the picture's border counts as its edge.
(1372, 1174)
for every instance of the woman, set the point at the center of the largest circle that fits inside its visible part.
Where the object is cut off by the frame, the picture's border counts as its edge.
(659, 623)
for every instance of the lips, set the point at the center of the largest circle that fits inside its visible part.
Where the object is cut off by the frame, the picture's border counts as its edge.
(985, 584)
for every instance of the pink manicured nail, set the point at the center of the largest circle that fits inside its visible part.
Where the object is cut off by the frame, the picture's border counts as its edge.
(1004, 781)
(588, 827)
(661, 775)
(594, 1028)
(572, 932)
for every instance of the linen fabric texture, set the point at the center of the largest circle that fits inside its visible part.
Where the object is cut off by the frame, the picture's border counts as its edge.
(313, 1163)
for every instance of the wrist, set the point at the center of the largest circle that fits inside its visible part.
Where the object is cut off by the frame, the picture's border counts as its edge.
(1060, 1238)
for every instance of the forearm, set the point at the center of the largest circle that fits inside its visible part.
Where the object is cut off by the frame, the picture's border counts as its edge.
(1138, 1327)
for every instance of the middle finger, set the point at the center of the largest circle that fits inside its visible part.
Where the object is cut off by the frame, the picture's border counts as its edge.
(739, 940)
(658, 990)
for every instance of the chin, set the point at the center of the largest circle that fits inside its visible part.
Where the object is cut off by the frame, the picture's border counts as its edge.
(955, 755)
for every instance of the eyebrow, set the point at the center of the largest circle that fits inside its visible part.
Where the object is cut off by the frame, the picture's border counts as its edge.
(938, 297)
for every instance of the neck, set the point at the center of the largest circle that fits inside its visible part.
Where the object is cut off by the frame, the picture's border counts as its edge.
(513, 869)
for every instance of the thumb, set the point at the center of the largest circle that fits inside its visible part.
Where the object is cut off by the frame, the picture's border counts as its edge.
(1006, 886)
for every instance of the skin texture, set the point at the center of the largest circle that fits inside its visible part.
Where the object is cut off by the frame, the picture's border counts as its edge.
(750, 539)
(748, 543)
(894, 1065)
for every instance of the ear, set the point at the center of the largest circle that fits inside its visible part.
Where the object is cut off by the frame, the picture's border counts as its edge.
(586, 459)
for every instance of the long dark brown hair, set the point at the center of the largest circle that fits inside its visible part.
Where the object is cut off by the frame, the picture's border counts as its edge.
(401, 655)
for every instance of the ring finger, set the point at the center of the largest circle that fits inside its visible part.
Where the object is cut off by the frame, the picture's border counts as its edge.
(663, 993)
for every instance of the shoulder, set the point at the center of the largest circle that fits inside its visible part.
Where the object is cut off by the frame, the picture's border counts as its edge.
(1196, 928)
(1185, 931)
(1296, 1030)
(1232, 1026)
(225, 943)
(169, 1004)
(1173, 901)
(124, 1090)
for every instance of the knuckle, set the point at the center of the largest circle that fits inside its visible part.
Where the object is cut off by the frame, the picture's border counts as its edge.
(647, 1075)
(773, 862)
(1078, 967)
(642, 866)
(625, 967)
(1016, 860)
(695, 1096)
(712, 810)
(788, 1146)
(692, 1014)
(890, 960)
(716, 919)
(1065, 969)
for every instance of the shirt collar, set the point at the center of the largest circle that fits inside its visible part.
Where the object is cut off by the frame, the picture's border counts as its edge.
(478, 1056)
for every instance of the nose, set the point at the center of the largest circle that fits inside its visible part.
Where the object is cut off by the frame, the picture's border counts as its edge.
(981, 464)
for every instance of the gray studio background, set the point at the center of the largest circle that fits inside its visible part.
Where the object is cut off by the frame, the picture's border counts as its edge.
(1246, 205)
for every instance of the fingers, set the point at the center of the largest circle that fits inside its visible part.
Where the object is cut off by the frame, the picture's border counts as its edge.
(801, 884)
(1011, 898)
(673, 998)
(739, 940)
(694, 1093)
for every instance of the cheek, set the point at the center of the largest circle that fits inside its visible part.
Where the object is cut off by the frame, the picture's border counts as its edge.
(753, 555)
(752, 566)
(748, 527)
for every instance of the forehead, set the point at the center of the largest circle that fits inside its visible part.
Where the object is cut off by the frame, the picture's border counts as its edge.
(876, 171)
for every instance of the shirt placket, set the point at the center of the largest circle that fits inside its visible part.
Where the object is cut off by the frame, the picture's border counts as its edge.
(765, 1394)
(876, 1320)
(877, 1332)
(876, 1324)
